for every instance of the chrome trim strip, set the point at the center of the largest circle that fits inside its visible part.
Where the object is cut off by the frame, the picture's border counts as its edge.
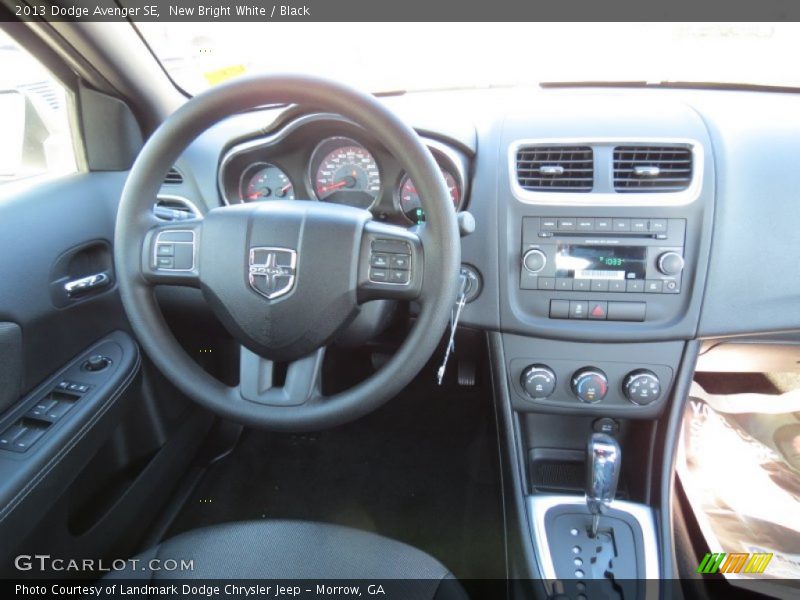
(538, 505)
(611, 198)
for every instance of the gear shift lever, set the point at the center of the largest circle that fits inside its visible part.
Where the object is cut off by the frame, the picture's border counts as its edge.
(603, 458)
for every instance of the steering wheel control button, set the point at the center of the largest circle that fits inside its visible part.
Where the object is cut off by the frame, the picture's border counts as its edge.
(589, 385)
(379, 259)
(398, 277)
(559, 309)
(379, 275)
(538, 381)
(390, 262)
(400, 261)
(534, 261)
(598, 311)
(641, 387)
(174, 250)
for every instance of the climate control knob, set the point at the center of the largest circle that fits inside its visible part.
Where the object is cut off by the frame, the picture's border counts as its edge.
(590, 385)
(538, 381)
(641, 387)
(534, 261)
(670, 263)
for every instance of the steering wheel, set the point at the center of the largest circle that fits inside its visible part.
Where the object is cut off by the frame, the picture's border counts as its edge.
(285, 277)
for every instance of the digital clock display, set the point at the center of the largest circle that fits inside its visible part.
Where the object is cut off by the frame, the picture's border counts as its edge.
(601, 262)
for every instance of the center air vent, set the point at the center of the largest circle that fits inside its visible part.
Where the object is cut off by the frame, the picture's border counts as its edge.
(652, 168)
(555, 168)
(173, 177)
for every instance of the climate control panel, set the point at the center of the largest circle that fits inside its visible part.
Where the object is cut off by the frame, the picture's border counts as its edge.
(631, 380)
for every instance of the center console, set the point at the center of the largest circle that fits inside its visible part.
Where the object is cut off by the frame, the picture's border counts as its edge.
(604, 213)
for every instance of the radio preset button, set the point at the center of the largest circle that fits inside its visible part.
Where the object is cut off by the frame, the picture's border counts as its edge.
(599, 285)
(564, 283)
(547, 283)
(639, 225)
(658, 225)
(617, 285)
(581, 285)
(585, 224)
(635, 285)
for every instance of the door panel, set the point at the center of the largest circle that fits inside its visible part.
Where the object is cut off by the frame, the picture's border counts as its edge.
(49, 235)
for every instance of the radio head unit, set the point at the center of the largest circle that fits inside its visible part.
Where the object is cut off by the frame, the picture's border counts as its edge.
(594, 254)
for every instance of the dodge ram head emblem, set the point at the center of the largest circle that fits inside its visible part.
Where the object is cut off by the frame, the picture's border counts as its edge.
(272, 271)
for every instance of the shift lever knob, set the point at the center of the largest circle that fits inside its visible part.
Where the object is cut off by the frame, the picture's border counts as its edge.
(603, 458)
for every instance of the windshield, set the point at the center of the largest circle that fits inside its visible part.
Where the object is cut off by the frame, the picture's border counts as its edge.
(390, 57)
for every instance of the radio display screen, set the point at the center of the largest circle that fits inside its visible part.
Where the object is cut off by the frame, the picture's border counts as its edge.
(601, 262)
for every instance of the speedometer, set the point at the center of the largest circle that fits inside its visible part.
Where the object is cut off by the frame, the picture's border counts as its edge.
(344, 172)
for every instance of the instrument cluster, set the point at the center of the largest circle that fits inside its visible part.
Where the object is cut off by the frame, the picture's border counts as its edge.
(329, 159)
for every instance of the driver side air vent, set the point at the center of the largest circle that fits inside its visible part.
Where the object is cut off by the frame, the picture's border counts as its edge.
(174, 177)
(555, 168)
(652, 168)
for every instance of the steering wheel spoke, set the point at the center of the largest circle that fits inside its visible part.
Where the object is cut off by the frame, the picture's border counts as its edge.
(170, 254)
(259, 379)
(391, 263)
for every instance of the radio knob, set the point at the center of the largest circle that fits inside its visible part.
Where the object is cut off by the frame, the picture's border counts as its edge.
(538, 381)
(670, 263)
(641, 387)
(590, 385)
(534, 261)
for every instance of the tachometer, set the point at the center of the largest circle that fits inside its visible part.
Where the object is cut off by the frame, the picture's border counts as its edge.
(345, 173)
(264, 181)
(409, 197)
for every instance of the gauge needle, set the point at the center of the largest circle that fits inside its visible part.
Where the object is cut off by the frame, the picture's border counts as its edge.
(347, 181)
(286, 188)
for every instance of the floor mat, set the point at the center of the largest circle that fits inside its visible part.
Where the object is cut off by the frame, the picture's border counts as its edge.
(737, 467)
(423, 470)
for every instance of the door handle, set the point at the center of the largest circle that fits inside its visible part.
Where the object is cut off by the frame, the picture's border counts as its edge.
(86, 284)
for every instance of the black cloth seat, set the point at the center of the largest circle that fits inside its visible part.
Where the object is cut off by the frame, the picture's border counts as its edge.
(282, 550)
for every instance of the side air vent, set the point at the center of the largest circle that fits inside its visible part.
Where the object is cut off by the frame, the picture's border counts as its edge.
(173, 177)
(555, 168)
(174, 208)
(652, 168)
